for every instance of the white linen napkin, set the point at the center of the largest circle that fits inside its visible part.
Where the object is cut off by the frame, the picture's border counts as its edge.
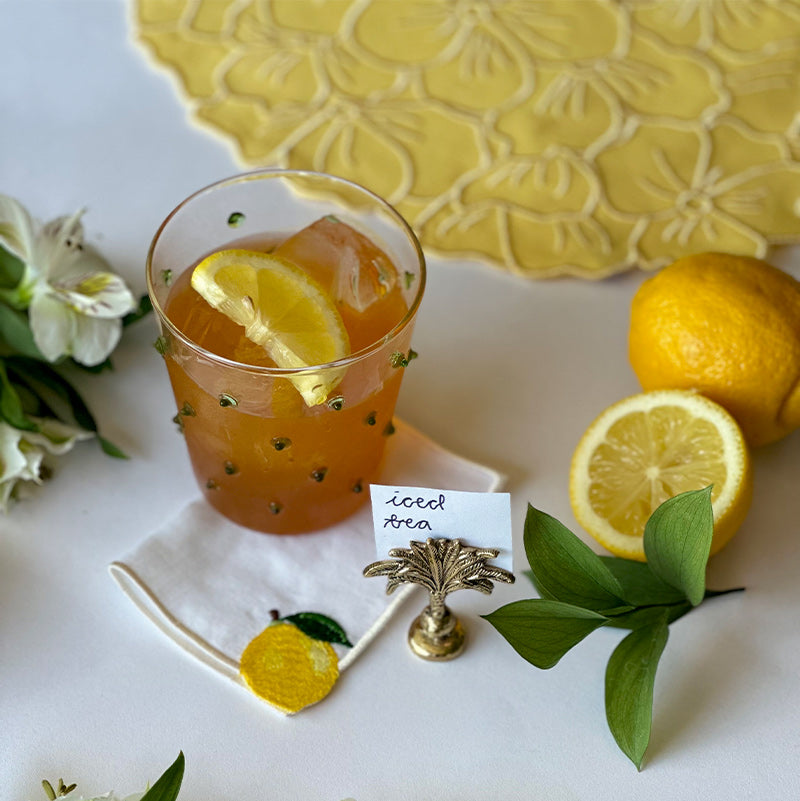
(210, 584)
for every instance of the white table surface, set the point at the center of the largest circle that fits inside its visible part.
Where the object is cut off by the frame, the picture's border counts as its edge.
(510, 374)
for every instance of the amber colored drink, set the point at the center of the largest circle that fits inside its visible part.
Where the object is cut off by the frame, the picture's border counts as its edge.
(261, 455)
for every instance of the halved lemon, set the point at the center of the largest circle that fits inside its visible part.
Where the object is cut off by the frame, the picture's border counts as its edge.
(282, 309)
(650, 447)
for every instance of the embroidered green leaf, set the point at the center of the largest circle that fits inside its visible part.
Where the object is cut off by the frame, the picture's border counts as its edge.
(677, 540)
(168, 784)
(543, 631)
(565, 568)
(319, 627)
(630, 677)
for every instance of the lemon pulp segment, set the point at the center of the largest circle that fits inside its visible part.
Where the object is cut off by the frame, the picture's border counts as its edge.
(648, 448)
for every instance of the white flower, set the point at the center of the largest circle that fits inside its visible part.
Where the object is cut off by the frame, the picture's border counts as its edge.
(75, 303)
(22, 453)
(112, 797)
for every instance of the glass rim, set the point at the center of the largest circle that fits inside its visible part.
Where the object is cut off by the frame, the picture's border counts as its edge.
(350, 359)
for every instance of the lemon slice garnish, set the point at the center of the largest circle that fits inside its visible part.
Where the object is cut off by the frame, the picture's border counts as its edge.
(648, 448)
(282, 309)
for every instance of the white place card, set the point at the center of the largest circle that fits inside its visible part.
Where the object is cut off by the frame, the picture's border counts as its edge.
(480, 519)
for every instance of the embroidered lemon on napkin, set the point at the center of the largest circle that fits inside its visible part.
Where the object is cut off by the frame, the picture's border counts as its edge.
(292, 663)
(546, 137)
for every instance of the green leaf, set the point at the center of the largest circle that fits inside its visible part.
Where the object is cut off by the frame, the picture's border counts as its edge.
(640, 586)
(11, 269)
(677, 540)
(11, 406)
(54, 390)
(319, 627)
(16, 333)
(648, 615)
(142, 310)
(169, 783)
(110, 449)
(630, 677)
(565, 568)
(542, 631)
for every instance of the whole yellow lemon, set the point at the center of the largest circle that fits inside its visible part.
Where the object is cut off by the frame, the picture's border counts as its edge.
(726, 326)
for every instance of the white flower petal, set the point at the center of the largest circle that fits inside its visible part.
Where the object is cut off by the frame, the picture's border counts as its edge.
(99, 294)
(53, 326)
(54, 436)
(70, 264)
(17, 230)
(57, 245)
(34, 456)
(6, 488)
(94, 339)
(12, 461)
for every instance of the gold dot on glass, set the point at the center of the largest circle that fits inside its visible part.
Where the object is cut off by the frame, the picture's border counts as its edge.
(231, 469)
(319, 474)
(227, 400)
(275, 507)
(371, 418)
(281, 443)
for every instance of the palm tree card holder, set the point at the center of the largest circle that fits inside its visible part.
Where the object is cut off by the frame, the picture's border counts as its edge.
(465, 530)
(441, 566)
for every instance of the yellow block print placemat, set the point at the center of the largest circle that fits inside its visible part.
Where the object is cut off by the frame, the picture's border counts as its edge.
(547, 137)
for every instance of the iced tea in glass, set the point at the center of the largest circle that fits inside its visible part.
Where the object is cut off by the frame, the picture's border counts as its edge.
(264, 455)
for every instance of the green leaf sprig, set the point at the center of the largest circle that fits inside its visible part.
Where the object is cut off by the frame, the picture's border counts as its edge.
(581, 591)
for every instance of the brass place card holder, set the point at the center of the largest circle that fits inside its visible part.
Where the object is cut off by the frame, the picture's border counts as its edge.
(441, 566)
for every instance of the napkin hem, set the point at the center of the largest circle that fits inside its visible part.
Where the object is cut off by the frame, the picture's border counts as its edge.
(129, 581)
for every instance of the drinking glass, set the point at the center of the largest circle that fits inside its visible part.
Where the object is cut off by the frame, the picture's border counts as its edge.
(262, 456)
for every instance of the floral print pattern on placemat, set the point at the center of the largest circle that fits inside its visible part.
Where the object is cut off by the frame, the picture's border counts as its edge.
(546, 138)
